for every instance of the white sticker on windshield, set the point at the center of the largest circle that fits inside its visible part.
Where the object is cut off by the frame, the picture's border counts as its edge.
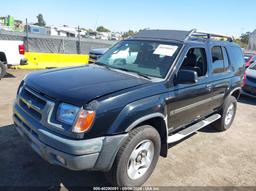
(166, 50)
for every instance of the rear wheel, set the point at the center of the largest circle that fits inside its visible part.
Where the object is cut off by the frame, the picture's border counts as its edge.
(2, 70)
(137, 158)
(228, 113)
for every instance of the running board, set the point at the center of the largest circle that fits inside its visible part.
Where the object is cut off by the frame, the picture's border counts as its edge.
(189, 130)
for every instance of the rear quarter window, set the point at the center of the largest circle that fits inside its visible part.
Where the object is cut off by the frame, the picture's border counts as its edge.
(236, 59)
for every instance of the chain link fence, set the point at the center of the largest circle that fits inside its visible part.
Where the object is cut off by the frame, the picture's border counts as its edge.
(55, 44)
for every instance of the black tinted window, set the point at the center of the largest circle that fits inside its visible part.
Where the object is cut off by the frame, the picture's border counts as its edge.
(236, 59)
(217, 53)
(226, 59)
(217, 59)
(196, 60)
(236, 55)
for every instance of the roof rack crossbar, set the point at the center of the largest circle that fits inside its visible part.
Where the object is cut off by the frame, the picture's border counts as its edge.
(190, 34)
(210, 35)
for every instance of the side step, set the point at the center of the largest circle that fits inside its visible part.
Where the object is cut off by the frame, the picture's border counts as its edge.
(189, 130)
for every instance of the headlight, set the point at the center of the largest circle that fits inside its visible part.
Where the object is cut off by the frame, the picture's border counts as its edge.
(80, 119)
(67, 113)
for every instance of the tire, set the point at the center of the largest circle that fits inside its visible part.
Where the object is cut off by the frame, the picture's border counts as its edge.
(228, 113)
(2, 70)
(144, 137)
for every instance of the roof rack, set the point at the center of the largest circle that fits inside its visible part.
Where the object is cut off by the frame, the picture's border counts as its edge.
(208, 35)
(178, 35)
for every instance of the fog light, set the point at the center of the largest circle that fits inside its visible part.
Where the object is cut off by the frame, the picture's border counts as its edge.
(60, 159)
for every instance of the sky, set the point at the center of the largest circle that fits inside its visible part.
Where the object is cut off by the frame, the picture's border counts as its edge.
(231, 17)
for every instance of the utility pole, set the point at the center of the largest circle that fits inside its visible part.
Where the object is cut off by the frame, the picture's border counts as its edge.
(79, 40)
(26, 38)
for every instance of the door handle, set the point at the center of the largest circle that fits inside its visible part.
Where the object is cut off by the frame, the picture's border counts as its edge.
(209, 87)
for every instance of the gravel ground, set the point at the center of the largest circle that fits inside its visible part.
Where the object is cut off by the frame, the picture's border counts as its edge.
(207, 158)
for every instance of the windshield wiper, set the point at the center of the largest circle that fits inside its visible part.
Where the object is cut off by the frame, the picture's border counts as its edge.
(143, 75)
(132, 71)
(102, 64)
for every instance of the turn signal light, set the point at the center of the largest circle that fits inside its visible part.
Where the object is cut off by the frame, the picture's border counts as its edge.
(84, 121)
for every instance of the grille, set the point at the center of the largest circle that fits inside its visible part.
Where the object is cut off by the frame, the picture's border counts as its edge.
(32, 103)
(26, 126)
(94, 57)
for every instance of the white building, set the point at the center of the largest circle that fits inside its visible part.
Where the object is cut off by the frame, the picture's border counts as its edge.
(63, 31)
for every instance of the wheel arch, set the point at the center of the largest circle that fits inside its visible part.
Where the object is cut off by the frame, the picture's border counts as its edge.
(235, 93)
(3, 57)
(158, 121)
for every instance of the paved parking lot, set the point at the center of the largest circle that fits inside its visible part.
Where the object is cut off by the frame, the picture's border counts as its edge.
(207, 158)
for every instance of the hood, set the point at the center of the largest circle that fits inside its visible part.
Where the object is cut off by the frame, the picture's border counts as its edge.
(79, 85)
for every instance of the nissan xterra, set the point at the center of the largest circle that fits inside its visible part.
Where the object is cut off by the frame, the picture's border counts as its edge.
(119, 114)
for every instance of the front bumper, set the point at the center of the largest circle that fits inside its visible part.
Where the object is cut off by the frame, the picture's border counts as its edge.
(92, 154)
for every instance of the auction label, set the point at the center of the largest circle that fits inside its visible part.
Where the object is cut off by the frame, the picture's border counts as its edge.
(165, 50)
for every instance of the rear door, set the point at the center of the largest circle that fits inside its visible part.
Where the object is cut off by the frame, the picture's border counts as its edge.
(220, 72)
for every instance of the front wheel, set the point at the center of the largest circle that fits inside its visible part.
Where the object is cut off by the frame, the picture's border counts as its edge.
(228, 113)
(137, 158)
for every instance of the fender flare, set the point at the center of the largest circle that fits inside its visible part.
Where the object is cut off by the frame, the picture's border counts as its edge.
(145, 118)
(164, 143)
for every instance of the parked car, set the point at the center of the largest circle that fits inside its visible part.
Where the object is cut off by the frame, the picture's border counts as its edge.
(249, 58)
(119, 114)
(249, 81)
(11, 54)
(95, 54)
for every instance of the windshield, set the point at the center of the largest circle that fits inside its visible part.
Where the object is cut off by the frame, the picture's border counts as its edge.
(142, 57)
(253, 67)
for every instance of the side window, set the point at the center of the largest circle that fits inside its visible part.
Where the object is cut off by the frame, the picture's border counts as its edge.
(236, 59)
(226, 59)
(217, 54)
(217, 60)
(196, 60)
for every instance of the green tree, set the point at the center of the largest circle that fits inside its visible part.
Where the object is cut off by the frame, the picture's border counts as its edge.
(102, 29)
(40, 20)
(128, 34)
(238, 41)
(245, 37)
(90, 30)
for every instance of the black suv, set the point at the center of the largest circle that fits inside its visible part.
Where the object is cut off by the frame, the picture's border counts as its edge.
(119, 114)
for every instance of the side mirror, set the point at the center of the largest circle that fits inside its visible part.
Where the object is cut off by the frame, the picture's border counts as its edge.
(186, 77)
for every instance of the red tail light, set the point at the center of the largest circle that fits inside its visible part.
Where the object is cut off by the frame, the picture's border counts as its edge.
(22, 49)
(244, 80)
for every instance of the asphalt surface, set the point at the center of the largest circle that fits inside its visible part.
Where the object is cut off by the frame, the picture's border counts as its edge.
(208, 158)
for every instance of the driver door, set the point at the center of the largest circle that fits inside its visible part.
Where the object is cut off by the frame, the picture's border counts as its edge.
(189, 102)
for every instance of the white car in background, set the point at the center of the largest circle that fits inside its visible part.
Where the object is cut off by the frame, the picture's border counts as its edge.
(11, 54)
